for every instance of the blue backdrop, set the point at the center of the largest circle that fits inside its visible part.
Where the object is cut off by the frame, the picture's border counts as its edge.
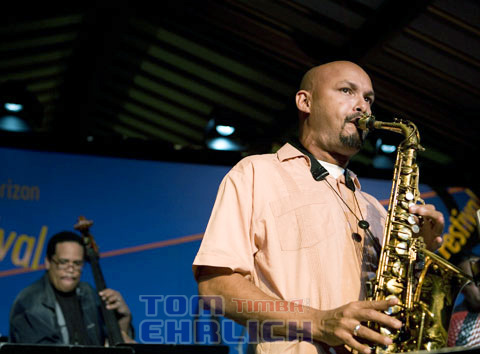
(148, 219)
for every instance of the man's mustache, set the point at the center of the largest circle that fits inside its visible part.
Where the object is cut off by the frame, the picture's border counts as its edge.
(353, 117)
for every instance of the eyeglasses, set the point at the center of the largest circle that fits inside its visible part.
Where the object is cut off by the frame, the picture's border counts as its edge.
(63, 264)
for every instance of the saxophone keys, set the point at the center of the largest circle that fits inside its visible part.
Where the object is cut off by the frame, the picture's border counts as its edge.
(394, 287)
(393, 310)
(409, 196)
(388, 333)
(404, 233)
(398, 269)
(416, 228)
(411, 219)
(385, 331)
(405, 205)
(401, 248)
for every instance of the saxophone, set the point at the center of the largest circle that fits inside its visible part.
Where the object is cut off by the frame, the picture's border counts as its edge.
(425, 284)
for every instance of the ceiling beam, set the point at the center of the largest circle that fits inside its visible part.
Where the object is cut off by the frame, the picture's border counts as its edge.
(390, 18)
(99, 38)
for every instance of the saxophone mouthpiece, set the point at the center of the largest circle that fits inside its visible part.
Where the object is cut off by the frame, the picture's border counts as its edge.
(366, 122)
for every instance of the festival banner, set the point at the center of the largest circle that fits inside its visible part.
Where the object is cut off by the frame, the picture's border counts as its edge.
(149, 218)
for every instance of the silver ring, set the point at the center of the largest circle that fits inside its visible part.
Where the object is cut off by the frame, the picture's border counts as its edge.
(355, 330)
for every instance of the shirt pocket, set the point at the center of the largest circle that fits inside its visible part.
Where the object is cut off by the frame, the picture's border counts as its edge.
(302, 221)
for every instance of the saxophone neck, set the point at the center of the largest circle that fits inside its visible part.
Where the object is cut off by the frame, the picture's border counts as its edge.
(406, 128)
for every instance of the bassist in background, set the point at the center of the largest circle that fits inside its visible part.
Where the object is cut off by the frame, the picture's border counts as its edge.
(58, 308)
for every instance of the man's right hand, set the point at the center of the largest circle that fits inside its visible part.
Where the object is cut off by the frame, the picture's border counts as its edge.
(336, 327)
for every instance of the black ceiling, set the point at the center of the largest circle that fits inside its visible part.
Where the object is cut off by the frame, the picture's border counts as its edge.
(147, 76)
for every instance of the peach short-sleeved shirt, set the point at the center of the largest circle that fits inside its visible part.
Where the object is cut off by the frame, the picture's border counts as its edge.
(289, 234)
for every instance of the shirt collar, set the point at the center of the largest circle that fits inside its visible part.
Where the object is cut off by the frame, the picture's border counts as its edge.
(288, 151)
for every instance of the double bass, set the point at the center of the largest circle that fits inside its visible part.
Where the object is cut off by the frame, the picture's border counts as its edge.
(114, 333)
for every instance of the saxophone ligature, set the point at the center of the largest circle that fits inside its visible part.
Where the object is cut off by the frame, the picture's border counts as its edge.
(425, 284)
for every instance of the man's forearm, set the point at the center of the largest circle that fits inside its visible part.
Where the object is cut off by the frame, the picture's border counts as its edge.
(125, 323)
(243, 302)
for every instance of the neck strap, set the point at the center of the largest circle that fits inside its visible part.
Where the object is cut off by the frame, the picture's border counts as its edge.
(319, 173)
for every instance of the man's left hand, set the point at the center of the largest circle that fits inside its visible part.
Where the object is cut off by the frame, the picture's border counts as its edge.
(431, 225)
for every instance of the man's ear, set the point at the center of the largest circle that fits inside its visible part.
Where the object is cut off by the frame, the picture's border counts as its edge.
(47, 263)
(302, 99)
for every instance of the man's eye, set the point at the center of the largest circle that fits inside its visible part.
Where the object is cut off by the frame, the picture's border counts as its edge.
(346, 90)
(63, 261)
(369, 100)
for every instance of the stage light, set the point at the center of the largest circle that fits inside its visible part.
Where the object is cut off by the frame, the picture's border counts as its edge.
(224, 144)
(222, 137)
(383, 159)
(13, 107)
(13, 124)
(222, 131)
(20, 110)
(388, 149)
(225, 130)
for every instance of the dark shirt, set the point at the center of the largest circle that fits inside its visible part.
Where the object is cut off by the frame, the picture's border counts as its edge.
(72, 311)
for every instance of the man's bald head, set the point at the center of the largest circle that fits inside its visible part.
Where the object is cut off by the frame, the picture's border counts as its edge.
(324, 72)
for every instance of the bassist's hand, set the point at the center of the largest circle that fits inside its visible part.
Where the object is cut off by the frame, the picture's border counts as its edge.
(114, 301)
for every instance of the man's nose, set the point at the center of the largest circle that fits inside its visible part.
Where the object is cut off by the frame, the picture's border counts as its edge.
(362, 106)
